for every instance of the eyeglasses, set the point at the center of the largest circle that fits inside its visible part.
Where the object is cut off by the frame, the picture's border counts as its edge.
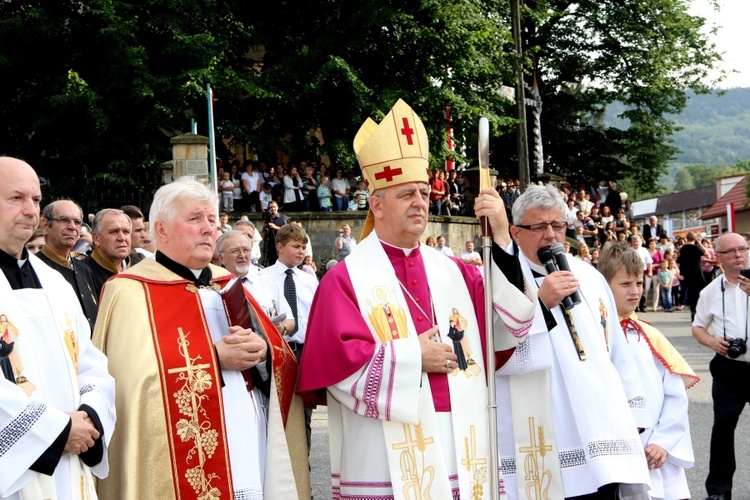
(557, 226)
(67, 220)
(238, 250)
(734, 250)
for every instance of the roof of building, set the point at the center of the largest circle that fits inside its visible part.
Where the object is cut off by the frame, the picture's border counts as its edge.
(735, 195)
(675, 202)
(687, 200)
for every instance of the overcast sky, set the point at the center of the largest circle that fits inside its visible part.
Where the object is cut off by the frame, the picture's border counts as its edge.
(733, 37)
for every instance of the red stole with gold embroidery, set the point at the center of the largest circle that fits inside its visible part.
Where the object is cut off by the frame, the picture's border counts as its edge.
(191, 387)
(191, 383)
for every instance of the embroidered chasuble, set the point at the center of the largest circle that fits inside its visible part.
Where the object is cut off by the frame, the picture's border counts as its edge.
(189, 428)
(422, 434)
(585, 412)
(666, 376)
(52, 370)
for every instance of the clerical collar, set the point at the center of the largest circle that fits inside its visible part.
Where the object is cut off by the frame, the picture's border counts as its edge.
(8, 260)
(18, 272)
(406, 251)
(201, 277)
(537, 269)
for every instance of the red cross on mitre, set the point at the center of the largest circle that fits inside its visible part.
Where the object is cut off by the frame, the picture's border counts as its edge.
(407, 131)
(388, 173)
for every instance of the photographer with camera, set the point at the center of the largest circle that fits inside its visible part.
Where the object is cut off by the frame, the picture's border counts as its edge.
(721, 323)
(344, 243)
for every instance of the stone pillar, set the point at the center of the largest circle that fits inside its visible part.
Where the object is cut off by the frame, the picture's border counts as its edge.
(190, 157)
(471, 187)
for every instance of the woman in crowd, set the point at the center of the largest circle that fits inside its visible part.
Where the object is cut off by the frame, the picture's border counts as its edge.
(431, 242)
(321, 172)
(293, 198)
(708, 261)
(583, 253)
(340, 188)
(652, 282)
(236, 177)
(621, 223)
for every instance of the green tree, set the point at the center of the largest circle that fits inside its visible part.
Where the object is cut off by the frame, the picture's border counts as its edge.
(590, 53)
(683, 181)
(97, 88)
(334, 63)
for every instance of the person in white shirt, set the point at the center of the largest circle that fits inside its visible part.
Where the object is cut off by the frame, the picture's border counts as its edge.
(298, 287)
(720, 323)
(249, 228)
(251, 186)
(470, 256)
(584, 202)
(340, 189)
(442, 248)
(235, 248)
(648, 263)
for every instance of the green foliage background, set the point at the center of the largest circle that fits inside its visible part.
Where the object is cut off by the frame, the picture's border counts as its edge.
(94, 89)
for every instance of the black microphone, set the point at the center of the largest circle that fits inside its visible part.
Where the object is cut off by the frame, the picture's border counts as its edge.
(558, 250)
(547, 258)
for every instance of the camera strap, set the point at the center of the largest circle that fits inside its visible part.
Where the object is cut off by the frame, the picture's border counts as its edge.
(724, 311)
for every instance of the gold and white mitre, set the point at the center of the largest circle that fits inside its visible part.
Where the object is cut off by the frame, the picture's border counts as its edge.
(394, 152)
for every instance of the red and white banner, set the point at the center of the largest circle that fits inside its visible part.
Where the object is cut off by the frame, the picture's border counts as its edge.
(730, 218)
(449, 163)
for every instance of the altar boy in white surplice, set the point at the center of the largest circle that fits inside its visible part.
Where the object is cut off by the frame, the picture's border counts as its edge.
(395, 337)
(665, 374)
(57, 409)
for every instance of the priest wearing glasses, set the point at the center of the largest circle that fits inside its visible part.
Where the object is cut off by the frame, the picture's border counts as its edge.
(576, 401)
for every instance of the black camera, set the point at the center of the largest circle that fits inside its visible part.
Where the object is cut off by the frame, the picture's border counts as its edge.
(745, 273)
(737, 347)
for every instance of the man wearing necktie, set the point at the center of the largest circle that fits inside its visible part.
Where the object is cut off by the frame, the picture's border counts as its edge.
(298, 286)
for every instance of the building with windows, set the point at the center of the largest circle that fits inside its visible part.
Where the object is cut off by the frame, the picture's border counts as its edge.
(681, 212)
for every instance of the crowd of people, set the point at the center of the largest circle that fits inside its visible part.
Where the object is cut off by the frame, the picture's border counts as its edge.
(157, 357)
(309, 186)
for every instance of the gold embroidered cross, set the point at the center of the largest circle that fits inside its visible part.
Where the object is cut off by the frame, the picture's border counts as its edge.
(533, 474)
(414, 479)
(471, 459)
(189, 367)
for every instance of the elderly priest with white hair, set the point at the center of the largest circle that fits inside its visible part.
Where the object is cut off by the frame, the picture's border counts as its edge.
(190, 385)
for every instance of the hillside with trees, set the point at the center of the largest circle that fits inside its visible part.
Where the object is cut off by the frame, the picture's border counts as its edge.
(715, 129)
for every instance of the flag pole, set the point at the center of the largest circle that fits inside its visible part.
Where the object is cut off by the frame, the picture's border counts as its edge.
(214, 183)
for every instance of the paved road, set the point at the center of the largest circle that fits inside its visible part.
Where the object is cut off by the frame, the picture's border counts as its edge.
(676, 326)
